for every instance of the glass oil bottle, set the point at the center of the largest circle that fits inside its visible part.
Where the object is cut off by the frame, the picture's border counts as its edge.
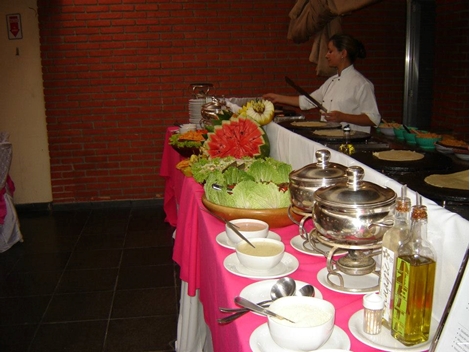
(414, 283)
(391, 241)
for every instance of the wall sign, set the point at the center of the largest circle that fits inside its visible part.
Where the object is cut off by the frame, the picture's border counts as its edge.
(14, 26)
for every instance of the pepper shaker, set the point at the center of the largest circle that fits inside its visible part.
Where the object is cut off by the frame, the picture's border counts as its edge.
(373, 309)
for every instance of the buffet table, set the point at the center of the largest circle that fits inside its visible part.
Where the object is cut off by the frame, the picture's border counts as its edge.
(201, 257)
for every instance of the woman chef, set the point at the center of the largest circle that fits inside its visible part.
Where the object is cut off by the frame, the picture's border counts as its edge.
(347, 96)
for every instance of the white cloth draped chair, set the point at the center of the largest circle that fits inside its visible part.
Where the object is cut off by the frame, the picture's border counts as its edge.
(9, 225)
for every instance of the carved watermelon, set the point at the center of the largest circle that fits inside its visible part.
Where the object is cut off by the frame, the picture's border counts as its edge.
(237, 137)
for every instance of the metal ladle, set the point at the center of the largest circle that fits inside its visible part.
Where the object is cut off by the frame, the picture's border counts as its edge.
(282, 288)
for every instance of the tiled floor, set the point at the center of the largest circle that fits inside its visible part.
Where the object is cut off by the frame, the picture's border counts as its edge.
(99, 279)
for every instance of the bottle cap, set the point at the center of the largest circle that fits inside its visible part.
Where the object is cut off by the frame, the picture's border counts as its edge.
(373, 301)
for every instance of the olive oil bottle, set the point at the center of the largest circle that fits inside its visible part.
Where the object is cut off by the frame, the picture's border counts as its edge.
(391, 241)
(414, 283)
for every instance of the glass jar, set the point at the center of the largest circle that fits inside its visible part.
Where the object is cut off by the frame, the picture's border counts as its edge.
(373, 309)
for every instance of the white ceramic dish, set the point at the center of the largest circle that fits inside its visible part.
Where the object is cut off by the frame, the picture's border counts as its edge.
(384, 340)
(314, 322)
(222, 239)
(461, 156)
(250, 228)
(388, 131)
(260, 290)
(443, 150)
(261, 341)
(264, 254)
(287, 266)
(365, 282)
(297, 243)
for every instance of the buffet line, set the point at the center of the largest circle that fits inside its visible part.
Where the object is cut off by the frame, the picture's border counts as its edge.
(212, 277)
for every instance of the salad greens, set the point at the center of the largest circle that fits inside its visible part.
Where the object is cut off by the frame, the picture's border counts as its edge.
(244, 183)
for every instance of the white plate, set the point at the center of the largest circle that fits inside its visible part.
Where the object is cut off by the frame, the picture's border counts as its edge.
(223, 240)
(365, 282)
(287, 266)
(297, 243)
(261, 341)
(384, 340)
(443, 150)
(461, 156)
(260, 290)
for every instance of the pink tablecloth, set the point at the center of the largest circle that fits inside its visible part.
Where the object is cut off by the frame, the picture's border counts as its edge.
(201, 260)
(173, 179)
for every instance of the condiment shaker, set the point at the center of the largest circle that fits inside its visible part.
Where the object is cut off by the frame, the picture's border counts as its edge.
(373, 309)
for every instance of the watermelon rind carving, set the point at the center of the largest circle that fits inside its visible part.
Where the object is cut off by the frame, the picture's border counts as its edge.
(238, 137)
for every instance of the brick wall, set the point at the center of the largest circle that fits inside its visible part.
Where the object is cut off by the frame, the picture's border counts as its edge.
(117, 74)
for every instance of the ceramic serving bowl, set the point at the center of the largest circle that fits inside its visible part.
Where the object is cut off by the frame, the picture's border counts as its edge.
(250, 228)
(399, 133)
(313, 318)
(410, 138)
(427, 143)
(388, 131)
(265, 256)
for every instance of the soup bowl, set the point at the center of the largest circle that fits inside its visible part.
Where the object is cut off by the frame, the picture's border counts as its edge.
(266, 255)
(313, 318)
(250, 228)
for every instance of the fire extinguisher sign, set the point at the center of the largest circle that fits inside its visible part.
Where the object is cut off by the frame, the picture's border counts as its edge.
(14, 26)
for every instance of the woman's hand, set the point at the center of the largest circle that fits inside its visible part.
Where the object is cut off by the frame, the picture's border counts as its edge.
(282, 99)
(333, 116)
(274, 98)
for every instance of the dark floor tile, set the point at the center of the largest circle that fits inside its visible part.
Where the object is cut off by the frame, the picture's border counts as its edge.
(141, 334)
(71, 337)
(88, 280)
(22, 310)
(100, 241)
(146, 277)
(53, 224)
(151, 238)
(99, 259)
(145, 224)
(48, 244)
(9, 258)
(29, 283)
(79, 306)
(16, 338)
(111, 227)
(145, 302)
(146, 256)
(42, 262)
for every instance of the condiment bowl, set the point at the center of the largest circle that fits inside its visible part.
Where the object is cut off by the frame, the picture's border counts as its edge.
(313, 318)
(266, 255)
(427, 143)
(250, 228)
(410, 138)
(399, 132)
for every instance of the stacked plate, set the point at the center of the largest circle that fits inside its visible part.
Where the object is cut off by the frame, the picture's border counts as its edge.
(195, 106)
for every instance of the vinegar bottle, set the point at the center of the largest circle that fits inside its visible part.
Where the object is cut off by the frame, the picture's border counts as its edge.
(391, 241)
(414, 283)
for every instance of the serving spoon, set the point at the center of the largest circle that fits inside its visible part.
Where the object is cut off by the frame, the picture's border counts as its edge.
(282, 288)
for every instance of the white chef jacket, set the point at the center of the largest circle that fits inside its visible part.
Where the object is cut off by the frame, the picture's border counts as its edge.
(350, 93)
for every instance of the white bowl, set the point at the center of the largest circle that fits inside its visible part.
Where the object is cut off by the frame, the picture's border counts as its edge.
(388, 131)
(314, 321)
(267, 254)
(187, 127)
(250, 228)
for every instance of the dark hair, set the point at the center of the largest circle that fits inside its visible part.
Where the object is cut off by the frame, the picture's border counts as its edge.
(353, 46)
